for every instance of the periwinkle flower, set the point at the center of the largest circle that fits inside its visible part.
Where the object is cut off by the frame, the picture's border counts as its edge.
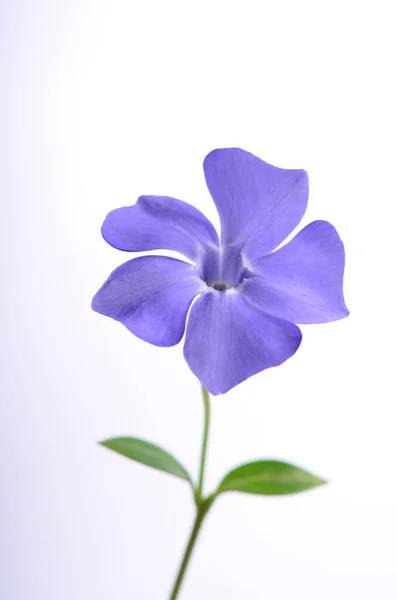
(246, 297)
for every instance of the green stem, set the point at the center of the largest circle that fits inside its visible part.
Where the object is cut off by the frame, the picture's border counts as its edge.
(206, 399)
(201, 512)
(203, 505)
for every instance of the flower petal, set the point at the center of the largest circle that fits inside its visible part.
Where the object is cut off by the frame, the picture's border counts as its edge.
(228, 339)
(159, 222)
(302, 281)
(259, 205)
(151, 296)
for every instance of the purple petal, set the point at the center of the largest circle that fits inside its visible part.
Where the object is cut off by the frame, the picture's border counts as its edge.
(302, 282)
(159, 222)
(259, 205)
(228, 339)
(151, 296)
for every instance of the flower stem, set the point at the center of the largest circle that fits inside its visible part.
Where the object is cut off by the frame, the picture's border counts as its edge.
(201, 512)
(203, 504)
(206, 399)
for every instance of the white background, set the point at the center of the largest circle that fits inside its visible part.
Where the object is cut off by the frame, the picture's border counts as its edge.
(103, 101)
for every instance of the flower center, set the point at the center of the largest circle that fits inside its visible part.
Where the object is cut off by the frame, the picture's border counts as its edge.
(221, 287)
(223, 268)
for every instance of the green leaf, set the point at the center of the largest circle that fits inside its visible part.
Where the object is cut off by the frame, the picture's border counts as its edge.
(269, 478)
(147, 454)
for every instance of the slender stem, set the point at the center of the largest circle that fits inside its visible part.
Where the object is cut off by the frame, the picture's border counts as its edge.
(190, 545)
(203, 504)
(206, 399)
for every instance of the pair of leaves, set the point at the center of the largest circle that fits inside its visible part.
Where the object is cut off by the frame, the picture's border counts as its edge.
(264, 477)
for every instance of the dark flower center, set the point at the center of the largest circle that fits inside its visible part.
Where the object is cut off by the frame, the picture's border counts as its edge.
(221, 287)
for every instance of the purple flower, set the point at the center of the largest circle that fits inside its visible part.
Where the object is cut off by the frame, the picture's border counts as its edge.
(249, 297)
